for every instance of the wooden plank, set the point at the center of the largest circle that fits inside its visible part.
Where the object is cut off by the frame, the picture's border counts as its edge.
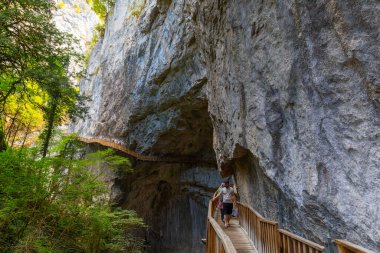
(228, 246)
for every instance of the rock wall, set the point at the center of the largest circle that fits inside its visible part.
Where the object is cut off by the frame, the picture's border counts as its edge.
(292, 89)
(76, 17)
(147, 85)
(172, 199)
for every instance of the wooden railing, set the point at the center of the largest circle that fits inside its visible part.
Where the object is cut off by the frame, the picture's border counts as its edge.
(249, 220)
(217, 241)
(149, 158)
(291, 243)
(347, 247)
(267, 238)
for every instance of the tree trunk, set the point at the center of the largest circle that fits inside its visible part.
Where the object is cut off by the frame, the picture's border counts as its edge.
(3, 143)
(26, 133)
(15, 134)
(9, 131)
(50, 126)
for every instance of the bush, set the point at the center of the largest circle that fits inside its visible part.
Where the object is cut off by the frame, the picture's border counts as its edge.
(55, 204)
(137, 8)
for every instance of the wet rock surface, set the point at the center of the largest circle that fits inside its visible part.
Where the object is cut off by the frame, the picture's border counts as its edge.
(286, 94)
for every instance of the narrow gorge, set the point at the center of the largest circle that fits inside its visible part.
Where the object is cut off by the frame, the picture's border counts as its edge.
(283, 95)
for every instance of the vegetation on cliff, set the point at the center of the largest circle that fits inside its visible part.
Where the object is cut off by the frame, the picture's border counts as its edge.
(55, 204)
(34, 62)
(49, 199)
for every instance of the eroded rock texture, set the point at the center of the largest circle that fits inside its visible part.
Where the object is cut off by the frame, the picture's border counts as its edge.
(147, 85)
(292, 89)
(76, 17)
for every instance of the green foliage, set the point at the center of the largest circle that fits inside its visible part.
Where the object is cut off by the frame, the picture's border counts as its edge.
(24, 115)
(98, 33)
(55, 204)
(101, 7)
(63, 101)
(34, 51)
(77, 9)
(61, 5)
(100, 29)
(29, 41)
(87, 56)
(137, 7)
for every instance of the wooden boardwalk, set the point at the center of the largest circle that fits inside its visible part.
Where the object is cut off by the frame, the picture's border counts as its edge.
(237, 235)
(258, 232)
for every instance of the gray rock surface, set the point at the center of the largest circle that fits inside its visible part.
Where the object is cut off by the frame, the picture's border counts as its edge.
(147, 86)
(77, 18)
(293, 92)
(172, 199)
(295, 86)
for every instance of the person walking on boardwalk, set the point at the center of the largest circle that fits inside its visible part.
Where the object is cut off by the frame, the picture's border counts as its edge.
(220, 202)
(228, 194)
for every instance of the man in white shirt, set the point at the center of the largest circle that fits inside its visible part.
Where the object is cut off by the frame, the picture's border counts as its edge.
(228, 195)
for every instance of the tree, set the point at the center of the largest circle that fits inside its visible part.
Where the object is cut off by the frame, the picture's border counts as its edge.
(55, 204)
(28, 42)
(28, 39)
(64, 100)
(24, 115)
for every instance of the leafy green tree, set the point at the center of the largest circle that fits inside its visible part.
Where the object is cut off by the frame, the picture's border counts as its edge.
(55, 204)
(101, 7)
(24, 115)
(29, 41)
(64, 100)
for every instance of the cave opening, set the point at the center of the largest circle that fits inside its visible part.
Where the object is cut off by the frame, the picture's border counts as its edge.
(173, 197)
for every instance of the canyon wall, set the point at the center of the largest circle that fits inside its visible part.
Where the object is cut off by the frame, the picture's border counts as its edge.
(147, 87)
(284, 94)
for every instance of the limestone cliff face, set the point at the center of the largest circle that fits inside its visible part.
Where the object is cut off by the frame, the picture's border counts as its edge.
(294, 94)
(285, 93)
(148, 89)
(76, 17)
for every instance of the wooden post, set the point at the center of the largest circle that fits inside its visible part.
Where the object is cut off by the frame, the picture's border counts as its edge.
(277, 239)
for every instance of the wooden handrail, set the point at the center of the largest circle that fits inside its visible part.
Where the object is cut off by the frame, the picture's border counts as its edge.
(268, 238)
(251, 209)
(217, 241)
(141, 157)
(291, 243)
(347, 247)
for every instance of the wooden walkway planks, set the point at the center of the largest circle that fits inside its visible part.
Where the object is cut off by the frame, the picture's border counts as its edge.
(237, 235)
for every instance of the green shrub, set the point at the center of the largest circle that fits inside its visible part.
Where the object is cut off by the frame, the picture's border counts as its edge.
(136, 8)
(55, 204)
